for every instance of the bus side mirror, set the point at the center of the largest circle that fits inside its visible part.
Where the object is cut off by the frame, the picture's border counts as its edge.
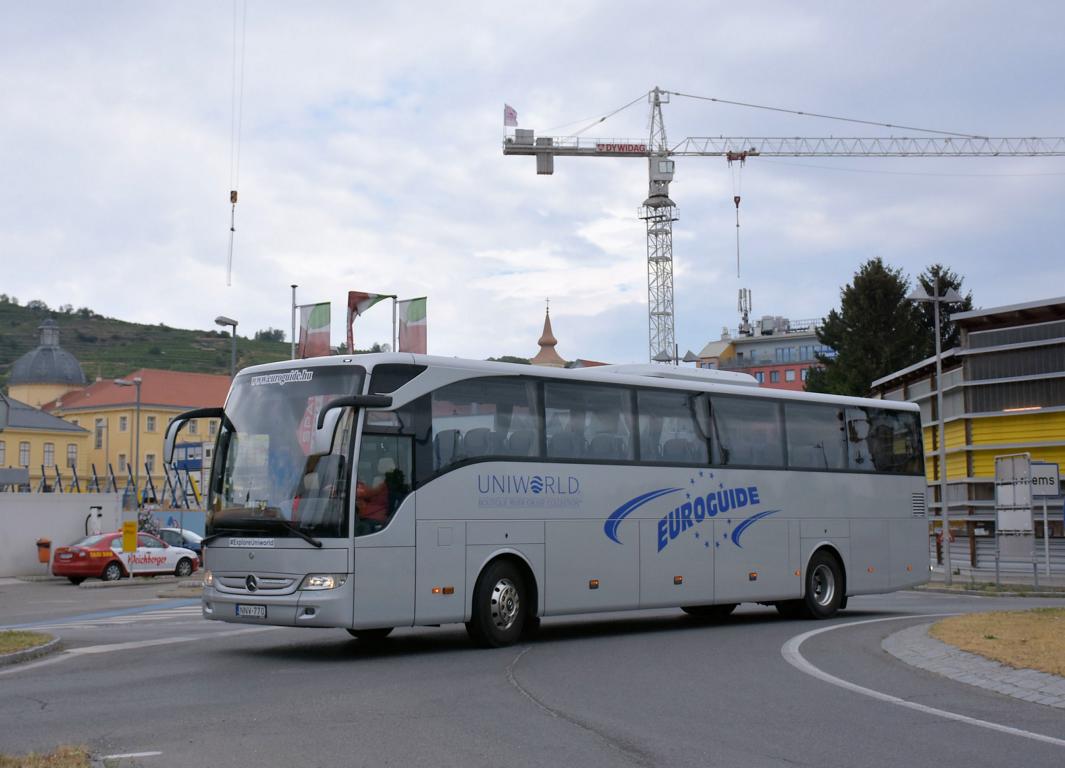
(322, 439)
(354, 401)
(180, 420)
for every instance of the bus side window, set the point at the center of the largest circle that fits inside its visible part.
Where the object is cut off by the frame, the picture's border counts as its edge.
(747, 432)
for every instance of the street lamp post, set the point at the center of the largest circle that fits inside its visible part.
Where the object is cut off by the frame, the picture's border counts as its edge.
(135, 382)
(950, 297)
(223, 321)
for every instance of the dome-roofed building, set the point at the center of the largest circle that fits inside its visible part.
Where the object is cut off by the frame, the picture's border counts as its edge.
(45, 373)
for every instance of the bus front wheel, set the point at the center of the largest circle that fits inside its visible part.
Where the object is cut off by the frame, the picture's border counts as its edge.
(499, 606)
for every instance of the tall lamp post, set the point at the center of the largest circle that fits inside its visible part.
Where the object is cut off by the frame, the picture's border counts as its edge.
(223, 321)
(950, 297)
(135, 382)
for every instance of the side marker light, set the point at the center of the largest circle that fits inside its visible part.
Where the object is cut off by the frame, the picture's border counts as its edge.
(593, 584)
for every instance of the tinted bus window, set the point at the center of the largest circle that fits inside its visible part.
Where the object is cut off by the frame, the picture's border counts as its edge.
(816, 438)
(747, 432)
(669, 429)
(585, 421)
(884, 441)
(484, 418)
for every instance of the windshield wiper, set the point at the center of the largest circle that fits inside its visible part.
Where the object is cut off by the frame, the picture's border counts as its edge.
(286, 524)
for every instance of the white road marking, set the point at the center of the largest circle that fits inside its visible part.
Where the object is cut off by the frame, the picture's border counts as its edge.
(111, 647)
(71, 653)
(131, 754)
(791, 653)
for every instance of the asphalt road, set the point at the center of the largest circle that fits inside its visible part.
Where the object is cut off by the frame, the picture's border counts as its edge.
(652, 688)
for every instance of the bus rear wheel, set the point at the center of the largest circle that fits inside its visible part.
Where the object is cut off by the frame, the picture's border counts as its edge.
(823, 595)
(711, 612)
(499, 606)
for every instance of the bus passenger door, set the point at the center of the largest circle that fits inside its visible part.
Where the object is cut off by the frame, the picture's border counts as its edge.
(384, 533)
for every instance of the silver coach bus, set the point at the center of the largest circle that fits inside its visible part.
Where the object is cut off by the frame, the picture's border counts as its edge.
(376, 491)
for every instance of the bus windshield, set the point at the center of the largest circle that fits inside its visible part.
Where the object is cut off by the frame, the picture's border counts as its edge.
(265, 476)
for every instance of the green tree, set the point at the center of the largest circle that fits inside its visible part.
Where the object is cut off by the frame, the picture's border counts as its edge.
(942, 278)
(270, 334)
(875, 331)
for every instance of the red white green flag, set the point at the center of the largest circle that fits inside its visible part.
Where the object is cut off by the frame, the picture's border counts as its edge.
(359, 302)
(412, 330)
(314, 330)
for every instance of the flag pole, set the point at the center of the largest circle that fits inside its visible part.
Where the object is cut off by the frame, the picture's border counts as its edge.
(293, 345)
(395, 338)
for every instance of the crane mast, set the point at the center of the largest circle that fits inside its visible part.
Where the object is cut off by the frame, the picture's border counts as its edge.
(659, 211)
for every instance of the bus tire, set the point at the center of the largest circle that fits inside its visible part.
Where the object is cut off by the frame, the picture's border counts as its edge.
(711, 612)
(499, 612)
(375, 635)
(824, 586)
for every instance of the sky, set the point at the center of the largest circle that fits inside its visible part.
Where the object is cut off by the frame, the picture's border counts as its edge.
(370, 159)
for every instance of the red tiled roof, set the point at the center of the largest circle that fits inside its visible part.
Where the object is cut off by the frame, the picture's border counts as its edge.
(164, 388)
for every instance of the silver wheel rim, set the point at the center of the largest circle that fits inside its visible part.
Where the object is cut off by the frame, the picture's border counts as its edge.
(113, 573)
(506, 603)
(823, 582)
(184, 568)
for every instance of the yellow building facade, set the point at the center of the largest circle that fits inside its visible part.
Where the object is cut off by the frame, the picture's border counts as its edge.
(109, 411)
(1003, 391)
(43, 445)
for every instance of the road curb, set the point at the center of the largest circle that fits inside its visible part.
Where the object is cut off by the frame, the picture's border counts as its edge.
(916, 647)
(126, 581)
(52, 646)
(988, 593)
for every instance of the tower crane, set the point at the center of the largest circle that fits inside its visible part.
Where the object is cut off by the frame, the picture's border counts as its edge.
(658, 210)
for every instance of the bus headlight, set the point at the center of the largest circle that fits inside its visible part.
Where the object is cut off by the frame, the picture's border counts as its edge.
(208, 578)
(317, 581)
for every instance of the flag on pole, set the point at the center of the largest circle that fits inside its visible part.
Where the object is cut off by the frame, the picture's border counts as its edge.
(314, 330)
(412, 330)
(510, 116)
(359, 302)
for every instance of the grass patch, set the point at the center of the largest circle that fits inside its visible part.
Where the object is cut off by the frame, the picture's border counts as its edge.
(21, 641)
(1033, 639)
(62, 757)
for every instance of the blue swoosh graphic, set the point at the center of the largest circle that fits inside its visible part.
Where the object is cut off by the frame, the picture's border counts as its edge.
(739, 529)
(610, 527)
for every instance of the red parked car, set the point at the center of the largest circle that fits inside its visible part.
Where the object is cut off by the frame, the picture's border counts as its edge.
(101, 556)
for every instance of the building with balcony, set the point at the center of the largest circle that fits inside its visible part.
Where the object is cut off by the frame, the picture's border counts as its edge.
(778, 352)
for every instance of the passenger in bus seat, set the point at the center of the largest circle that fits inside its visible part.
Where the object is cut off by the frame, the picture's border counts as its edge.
(372, 499)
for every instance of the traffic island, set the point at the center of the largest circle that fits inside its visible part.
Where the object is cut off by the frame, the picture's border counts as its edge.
(1031, 639)
(61, 757)
(17, 646)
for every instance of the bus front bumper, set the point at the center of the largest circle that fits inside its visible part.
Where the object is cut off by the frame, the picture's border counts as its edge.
(301, 608)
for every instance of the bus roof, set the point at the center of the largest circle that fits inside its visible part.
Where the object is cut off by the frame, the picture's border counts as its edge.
(635, 374)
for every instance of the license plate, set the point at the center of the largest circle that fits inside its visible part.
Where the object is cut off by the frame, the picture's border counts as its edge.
(65, 556)
(252, 611)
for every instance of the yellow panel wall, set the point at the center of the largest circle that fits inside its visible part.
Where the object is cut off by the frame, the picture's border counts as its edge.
(1019, 428)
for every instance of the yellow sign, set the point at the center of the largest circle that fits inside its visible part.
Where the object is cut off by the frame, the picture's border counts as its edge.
(129, 536)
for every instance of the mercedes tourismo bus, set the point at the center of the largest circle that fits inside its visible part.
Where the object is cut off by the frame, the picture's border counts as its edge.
(384, 490)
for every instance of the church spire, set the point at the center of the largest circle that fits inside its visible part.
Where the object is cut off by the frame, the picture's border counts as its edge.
(547, 356)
